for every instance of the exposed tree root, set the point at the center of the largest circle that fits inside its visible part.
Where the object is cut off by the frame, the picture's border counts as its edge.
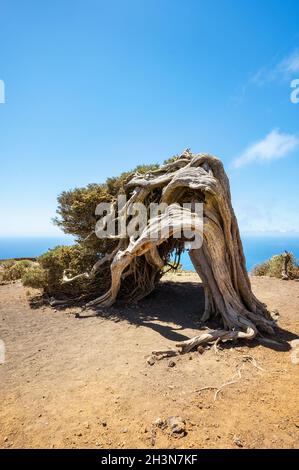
(235, 378)
(226, 384)
(204, 338)
(214, 335)
(253, 362)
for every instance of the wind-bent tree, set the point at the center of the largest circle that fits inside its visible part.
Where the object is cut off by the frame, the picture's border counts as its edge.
(130, 267)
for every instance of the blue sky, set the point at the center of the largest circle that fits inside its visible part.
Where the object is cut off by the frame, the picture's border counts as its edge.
(93, 88)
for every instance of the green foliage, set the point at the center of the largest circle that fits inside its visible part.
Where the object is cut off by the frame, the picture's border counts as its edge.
(7, 263)
(76, 216)
(76, 259)
(171, 159)
(35, 277)
(47, 274)
(261, 269)
(76, 208)
(14, 270)
(294, 271)
(273, 267)
(142, 169)
(116, 185)
(186, 154)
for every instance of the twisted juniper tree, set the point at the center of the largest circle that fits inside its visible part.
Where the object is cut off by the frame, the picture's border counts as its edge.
(130, 267)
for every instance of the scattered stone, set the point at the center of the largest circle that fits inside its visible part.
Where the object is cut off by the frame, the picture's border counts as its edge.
(201, 349)
(6, 439)
(237, 441)
(124, 430)
(104, 423)
(171, 363)
(151, 361)
(177, 426)
(159, 422)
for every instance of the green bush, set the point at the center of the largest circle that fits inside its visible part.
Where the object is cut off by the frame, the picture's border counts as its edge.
(294, 271)
(15, 271)
(273, 267)
(76, 207)
(7, 263)
(76, 216)
(48, 274)
(35, 277)
(261, 269)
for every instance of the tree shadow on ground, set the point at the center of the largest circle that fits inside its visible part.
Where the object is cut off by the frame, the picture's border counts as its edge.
(171, 308)
(174, 307)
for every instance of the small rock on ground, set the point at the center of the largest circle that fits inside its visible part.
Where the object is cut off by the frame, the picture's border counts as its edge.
(177, 426)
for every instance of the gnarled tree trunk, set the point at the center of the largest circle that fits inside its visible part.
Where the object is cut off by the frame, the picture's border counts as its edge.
(136, 264)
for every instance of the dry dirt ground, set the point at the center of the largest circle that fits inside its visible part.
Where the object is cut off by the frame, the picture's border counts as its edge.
(85, 382)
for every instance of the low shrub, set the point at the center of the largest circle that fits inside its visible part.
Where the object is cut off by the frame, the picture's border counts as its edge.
(261, 269)
(7, 263)
(48, 273)
(273, 267)
(15, 270)
(35, 277)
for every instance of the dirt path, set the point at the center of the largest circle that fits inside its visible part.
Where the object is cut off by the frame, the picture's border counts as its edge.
(71, 382)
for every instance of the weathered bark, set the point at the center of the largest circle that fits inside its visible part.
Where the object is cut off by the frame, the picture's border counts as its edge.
(284, 272)
(219, 262)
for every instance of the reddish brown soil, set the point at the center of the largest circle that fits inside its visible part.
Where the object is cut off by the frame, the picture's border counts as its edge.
(72, 382)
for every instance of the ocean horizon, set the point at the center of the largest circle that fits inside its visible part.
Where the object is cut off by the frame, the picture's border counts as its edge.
(257, 248)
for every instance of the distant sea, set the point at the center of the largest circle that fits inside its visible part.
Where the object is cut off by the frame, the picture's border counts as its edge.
(257, 248)
(30, 247)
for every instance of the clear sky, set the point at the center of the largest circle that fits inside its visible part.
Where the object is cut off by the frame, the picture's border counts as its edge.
(93, 88)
